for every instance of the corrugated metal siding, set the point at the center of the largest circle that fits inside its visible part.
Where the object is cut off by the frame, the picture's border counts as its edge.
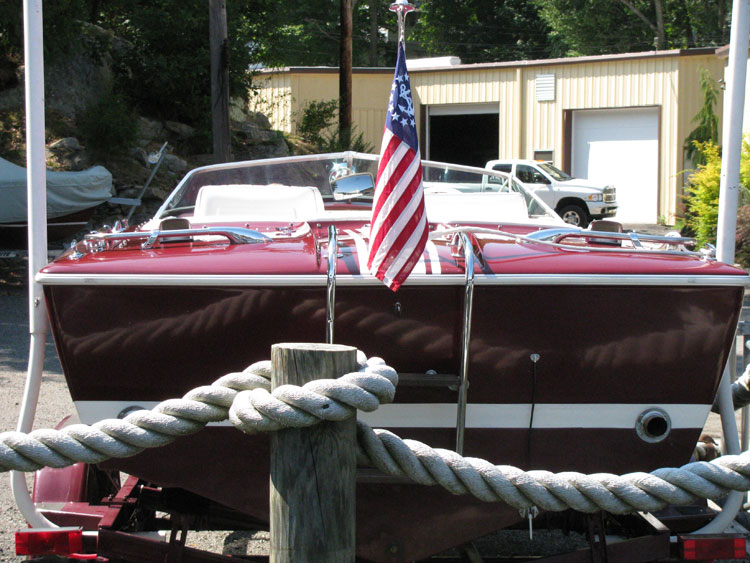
(274, 99)
(284, 95)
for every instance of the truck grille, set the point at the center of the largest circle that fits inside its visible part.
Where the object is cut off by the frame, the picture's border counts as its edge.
(610, 195)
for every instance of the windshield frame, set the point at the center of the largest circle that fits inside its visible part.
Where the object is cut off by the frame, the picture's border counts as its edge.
(483, 174)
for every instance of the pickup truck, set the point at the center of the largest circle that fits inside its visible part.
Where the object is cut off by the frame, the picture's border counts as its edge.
(577, 201)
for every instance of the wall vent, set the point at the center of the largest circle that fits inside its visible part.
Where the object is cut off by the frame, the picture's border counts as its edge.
(545, 87)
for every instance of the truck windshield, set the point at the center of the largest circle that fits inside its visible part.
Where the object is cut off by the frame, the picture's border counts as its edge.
(555, 172)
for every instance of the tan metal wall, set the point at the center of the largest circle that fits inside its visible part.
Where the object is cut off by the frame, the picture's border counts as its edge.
(668, 80)
(286, 94)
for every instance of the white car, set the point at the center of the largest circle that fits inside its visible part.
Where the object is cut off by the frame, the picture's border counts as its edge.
(577, 201)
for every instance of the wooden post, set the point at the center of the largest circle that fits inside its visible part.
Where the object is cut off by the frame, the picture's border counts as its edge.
(312, 469)
(219, 80)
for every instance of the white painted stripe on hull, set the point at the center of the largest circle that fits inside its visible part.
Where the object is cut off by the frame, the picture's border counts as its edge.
(414, 280)
(443, 415)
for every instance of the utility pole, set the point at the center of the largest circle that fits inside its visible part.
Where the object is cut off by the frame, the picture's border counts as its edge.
(345, 74)
(374, 33)
(219, 80)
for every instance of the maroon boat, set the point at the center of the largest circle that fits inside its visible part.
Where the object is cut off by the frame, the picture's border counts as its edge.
(517, 339)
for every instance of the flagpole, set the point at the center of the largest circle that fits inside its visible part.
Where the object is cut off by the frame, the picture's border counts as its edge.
(401, 7)
(399, 228)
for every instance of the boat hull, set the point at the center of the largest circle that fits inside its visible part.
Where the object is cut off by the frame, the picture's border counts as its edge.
(15, 235)
(576, 409)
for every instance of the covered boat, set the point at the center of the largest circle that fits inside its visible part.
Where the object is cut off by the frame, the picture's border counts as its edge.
(71, 199)
(517, 339)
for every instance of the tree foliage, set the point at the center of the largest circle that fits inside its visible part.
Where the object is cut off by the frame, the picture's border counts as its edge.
(482, 30)
(167, 70)
(706, 120)
(307, 33)
(595, 27)
(61, 25)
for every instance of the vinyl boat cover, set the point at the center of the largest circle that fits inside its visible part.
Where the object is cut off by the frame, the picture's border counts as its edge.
(67, 192)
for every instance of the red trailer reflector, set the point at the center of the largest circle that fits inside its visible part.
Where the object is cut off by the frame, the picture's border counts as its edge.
(49, 541)
(713, 547)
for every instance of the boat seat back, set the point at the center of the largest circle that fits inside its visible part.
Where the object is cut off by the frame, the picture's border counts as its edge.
(246, 202)
(490, 207)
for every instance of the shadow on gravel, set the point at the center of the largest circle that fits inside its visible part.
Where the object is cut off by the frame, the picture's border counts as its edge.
(14, 338)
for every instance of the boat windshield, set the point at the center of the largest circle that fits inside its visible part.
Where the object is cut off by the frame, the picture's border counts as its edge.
(442, 184)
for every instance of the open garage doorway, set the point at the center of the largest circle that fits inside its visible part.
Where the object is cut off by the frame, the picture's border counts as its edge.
(463, 133)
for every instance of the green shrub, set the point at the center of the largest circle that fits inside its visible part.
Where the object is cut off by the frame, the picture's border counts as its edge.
(702, 194)
(108, 126)
(336, 143)
(317, 116)
(702, 200)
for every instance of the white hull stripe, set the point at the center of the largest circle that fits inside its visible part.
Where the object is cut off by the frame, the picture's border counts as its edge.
(443, 415)
(415, 280)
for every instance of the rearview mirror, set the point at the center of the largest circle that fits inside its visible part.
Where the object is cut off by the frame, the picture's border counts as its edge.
(354, 185)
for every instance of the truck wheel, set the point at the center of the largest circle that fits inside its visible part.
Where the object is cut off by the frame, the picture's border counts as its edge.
(575, 215)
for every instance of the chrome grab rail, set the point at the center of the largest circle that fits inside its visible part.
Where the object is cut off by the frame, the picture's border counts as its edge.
(557, 235)
(235, 235)
(331, 284)
(463, 384)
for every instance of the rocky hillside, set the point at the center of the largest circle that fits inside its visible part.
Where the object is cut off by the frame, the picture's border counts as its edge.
(74, 84)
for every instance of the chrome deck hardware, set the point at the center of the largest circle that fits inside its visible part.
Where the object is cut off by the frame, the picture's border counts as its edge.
(331, 286)
(235, 235)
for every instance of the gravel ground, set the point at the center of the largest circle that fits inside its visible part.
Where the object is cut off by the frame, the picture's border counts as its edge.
(55, 403)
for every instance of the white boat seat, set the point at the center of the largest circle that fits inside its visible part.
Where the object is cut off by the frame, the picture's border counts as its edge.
(489, 207)
(246, 202)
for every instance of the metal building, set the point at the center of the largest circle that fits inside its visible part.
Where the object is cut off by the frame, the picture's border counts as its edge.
(620, 119)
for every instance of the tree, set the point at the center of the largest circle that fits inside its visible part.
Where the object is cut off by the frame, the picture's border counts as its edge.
(706, 120)
(306, 33)
(593, 27)
(166, 72)
(482, 30)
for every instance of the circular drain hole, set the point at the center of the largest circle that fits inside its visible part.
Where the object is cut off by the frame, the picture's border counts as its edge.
(653, 425)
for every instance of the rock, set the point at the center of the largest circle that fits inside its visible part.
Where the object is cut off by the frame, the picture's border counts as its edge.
(180, 129)
(158, 192)
(66, 144)
(237, 109)
(12, 99)
(254, 134)
(149, 130)
(140, 155)
(259, 119)
(69, 153)
(174, 163)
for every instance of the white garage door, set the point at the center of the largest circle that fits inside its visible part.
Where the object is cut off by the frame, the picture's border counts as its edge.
(620, 147)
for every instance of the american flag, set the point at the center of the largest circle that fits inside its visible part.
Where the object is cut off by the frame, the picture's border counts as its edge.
(398, 231)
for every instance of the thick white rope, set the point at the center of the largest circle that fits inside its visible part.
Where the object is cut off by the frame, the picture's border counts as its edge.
(244, 398)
